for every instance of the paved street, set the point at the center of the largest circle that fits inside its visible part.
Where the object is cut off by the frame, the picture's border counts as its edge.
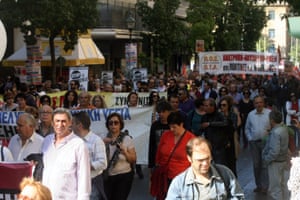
(245, 175)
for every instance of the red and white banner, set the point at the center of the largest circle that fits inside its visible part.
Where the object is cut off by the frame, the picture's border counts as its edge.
(238, 62)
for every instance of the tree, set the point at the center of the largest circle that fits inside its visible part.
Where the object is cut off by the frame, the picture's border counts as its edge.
(226, 24)
(53, 18)
(162, 22)
(202, 17)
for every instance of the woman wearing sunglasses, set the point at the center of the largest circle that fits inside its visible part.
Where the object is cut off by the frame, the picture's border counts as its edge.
(121, 157)
(232, 116)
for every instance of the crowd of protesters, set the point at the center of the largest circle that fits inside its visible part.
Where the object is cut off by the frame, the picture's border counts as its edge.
(216, 107)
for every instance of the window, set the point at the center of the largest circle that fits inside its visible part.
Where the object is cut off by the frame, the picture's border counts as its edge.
(271, 33)
(271, 15)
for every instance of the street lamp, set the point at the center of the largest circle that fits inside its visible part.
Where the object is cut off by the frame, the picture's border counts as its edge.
(130, 21)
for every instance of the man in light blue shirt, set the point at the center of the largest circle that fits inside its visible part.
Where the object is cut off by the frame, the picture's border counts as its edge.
(276, 157)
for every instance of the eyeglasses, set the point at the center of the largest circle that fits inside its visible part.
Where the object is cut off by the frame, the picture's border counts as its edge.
(110, 123)
(223, 104)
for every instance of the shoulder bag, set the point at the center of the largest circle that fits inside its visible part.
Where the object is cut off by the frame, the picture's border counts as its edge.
(159, 178)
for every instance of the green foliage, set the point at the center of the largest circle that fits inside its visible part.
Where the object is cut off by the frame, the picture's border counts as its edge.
(162, 22)
(226, 24)
(202, 16)
(65, 18)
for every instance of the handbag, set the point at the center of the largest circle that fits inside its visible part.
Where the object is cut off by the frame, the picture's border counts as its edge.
(159, 182)
(159, 178)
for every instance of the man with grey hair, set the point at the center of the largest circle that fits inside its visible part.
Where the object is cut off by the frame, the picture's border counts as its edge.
(66, 160)
(256, 129)
(27, 141)
(275, 156)
(84, 101)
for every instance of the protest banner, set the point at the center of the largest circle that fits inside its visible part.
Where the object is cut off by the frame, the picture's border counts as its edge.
(112, 99)
(137, 122)
(238, 62)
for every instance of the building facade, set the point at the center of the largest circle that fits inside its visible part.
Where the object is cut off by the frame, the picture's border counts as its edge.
(275, 35)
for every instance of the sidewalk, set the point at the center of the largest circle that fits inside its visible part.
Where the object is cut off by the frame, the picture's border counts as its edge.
(140, 188)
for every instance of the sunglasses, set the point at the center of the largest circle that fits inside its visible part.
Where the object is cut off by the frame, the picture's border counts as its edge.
(110, 123)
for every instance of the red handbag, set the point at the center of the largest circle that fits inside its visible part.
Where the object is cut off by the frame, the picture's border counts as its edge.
(159, 178)
(159, 182)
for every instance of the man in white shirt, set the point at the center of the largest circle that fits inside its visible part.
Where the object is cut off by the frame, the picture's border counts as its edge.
(256, 129)
(97, 152)
(66, 160)
(27, 141)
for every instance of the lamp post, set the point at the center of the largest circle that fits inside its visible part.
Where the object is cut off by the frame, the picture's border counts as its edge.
(131, 59)
(130, 21)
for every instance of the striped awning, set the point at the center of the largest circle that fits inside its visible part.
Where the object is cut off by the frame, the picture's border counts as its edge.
(85, 53)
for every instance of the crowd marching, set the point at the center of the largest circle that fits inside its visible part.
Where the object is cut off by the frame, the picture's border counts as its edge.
(197, 131)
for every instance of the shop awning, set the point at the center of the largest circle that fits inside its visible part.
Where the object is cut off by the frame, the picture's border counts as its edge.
(85, 53)
(294, 26)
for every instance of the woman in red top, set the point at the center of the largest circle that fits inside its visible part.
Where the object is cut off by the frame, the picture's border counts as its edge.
(177, 134)
(292, 108)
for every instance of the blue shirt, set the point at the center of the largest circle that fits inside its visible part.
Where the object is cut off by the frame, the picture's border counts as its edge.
(277, 145)
(185, 186)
